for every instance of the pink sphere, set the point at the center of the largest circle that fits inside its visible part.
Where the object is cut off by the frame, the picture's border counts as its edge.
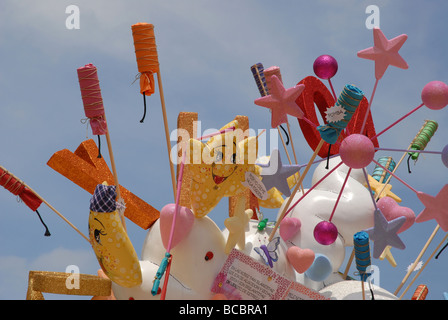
(357, 151)
(435, 95)
(325, 66)
(325, 233)
(445, 156)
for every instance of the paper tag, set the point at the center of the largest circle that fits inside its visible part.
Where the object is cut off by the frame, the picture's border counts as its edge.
(335, 114)
(255, 185)
(251, 280)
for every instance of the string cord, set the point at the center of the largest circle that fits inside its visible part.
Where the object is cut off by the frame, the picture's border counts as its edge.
(441, 250)
(286, 134)
(47, 232)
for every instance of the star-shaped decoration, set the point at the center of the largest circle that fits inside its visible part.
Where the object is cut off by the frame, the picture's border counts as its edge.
(218, 167)
(275, 174)
(377, 186)
(384, 52)
(236, 226)
(384, 233)
(388, 255)
(435, 207)
(281, 101)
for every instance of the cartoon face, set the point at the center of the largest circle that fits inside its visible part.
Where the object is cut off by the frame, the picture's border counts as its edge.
(218, 168)
(113, 249)
(224, 161)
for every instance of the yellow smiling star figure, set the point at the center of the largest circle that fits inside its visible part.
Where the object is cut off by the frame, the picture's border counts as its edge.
(219, 167)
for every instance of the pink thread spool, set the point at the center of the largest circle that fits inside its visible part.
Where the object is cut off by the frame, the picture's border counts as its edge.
(272, 71)
(91, 98)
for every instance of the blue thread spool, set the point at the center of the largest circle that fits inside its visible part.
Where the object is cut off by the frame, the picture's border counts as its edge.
(260, 80)
(381, 175)
(362, 253)
(349, 100)
(159, 273)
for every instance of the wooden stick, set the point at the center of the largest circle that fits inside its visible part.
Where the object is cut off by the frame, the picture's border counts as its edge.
(284, 145)
(292, 142)
(399, 162)
(422, 252)
(424, 266)
(167, 134)
(349, 263)
(299, 183)
(114, 171)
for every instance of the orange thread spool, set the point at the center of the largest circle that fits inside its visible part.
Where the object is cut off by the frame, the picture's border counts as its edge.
(420, 293)
(146, 55)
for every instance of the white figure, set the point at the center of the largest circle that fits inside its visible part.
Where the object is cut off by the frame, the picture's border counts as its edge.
(353, 213)
(197, 260)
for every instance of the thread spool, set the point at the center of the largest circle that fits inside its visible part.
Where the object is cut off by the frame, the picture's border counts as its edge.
(348, 101)
(423, 137)
(260, 79)
(420, 293)
(379, 174)
(272, 71)
(92, 99)
(362, 253)
(147, 58)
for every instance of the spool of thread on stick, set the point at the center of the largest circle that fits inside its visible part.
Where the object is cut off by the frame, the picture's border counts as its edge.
(147, 58)
(260, 79)
(422, 139)
(362, 253)
(420, 293)
(379, 174)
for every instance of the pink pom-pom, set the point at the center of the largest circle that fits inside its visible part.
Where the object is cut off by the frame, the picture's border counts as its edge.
(325, 233)
(357, 151)
(435, 95)
(325, 66)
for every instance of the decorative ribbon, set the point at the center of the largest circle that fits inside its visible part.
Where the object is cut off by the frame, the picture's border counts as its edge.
(349, 100)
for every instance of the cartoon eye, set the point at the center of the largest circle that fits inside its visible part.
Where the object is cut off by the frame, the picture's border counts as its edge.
(208, 256)
(219, 156)
(97, 233)
(233, 158)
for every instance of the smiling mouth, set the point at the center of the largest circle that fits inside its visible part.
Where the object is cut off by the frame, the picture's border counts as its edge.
(219, 179)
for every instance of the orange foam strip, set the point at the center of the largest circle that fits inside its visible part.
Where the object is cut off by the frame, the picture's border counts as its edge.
(85, 169)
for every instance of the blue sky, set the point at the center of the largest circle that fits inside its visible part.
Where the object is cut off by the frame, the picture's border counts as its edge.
(205, 52)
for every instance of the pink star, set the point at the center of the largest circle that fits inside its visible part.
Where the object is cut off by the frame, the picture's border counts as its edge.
(384, 52)
(435, 208)
(282, 102)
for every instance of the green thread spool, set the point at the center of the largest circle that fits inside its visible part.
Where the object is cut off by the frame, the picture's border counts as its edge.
(423, 137)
